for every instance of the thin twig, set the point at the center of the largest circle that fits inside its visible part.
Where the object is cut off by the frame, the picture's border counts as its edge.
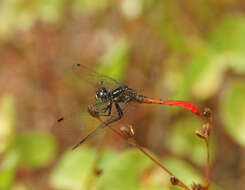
(133, 143)
(207, 169)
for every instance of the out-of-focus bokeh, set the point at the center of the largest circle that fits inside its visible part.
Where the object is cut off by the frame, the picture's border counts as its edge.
(186, 50)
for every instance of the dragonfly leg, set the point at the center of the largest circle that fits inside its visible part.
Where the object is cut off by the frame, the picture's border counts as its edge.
(103, 125)
(100, 112)
(120, 115)
(107, 109)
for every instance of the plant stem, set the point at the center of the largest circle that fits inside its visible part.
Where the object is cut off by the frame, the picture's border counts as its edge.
(207, 169)
(134, 143)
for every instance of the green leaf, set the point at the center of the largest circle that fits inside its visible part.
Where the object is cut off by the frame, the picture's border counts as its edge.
(106, 157)
(89, 6)
(132, 9)
(192, 74)
(74, 169)
(16, 14)
(208, 83)
(228, 40)
(7, 121)
(183, 171)
(124, 172)
(232, 108)
(208, 64)
(36, 149)
(229, 35)
(8, 169)
(50, 10)
(115, 61)
(174, 36)
(183, 141)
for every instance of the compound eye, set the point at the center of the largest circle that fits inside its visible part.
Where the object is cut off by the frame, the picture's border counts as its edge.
(102, 93)
(96, 95)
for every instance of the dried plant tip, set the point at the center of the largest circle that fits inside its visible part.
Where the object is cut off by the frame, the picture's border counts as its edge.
(204, 132)
(199, 187)
(207, 113)
(98, 171)
(174, 180)
(127, 131)
(200, 134)
(93, 112)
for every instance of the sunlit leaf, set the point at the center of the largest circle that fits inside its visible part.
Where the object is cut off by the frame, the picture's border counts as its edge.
(183, 141)
(74, 169)
(131, 9)
(106, 157)
(8, 168)
(21, 15)
(50, 10)
(209, 81)
(232, 108)
(190, 75)
(174, 37)
(124, 172)
(36, 149)
(7, 121)
(183, 171)
(229, 35)
(89, 6)
(228, 40)
(115, 61)
(204, 73)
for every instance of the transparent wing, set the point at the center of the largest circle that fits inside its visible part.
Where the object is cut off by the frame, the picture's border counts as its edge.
(113, 118)
(94, 78)
(69, 129)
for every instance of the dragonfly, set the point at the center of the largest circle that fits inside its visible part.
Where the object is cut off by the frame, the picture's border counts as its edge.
(111, 94)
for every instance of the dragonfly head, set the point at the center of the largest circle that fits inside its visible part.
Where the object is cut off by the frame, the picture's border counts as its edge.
(101, 94)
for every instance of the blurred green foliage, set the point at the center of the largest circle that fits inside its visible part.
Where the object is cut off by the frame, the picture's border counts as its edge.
(91, 6)
(7, 121)
(8, 169)
(73, 169)
(30, 147)
(124, 171)
(232, 110)
(181, 138)
(195, 51)
(114, 62)
(23, 14)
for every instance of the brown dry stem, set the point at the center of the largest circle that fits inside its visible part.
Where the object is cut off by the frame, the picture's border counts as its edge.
(132, 142)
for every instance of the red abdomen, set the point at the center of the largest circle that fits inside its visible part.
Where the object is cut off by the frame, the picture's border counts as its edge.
(183, 104)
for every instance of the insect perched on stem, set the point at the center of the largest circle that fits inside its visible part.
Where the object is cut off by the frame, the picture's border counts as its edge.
(112, 94)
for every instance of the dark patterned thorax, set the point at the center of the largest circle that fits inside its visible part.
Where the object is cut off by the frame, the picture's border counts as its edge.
(122, 95)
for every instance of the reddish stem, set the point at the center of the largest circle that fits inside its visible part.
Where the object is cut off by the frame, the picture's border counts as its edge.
(207, 169)
(133, 143)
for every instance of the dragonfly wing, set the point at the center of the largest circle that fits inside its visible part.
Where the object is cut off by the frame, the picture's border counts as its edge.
(95, 78)
(70, 128)
(89, 135)
(114, 117)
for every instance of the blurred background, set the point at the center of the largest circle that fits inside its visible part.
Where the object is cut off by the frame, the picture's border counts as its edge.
(186, 50)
